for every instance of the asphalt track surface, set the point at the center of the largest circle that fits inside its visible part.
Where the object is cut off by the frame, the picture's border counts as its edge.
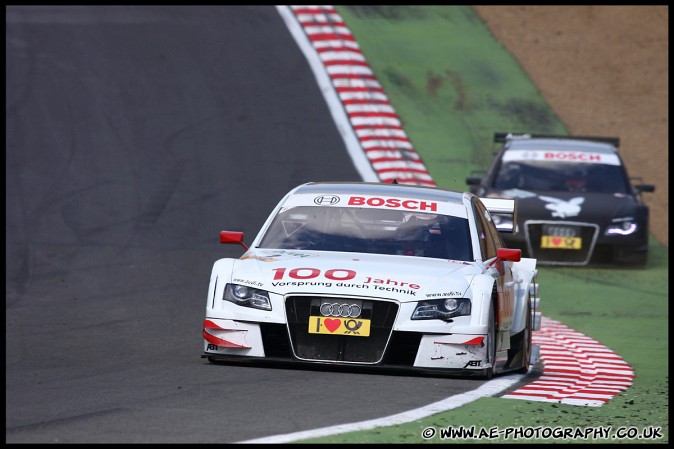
(134, 135)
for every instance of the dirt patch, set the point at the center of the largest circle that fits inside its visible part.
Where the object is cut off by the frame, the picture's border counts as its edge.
(604, 71)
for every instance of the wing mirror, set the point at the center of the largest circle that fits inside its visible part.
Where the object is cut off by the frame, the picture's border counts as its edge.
(232, 237)
(511, 254)
(645, 187)
(473, 180)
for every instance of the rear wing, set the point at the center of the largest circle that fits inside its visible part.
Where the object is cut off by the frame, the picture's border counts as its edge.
(503, 212)
(502, 137)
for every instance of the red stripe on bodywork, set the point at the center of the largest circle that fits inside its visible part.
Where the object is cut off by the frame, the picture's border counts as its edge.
(208, 324)
(475, 341)
(472, 341)
(220, 342)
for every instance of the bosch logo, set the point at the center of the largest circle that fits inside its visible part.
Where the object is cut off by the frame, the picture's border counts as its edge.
(326, 199)
(341, 310)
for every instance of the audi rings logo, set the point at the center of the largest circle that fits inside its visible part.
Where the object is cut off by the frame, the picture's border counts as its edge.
(341, 310)
(326, 199)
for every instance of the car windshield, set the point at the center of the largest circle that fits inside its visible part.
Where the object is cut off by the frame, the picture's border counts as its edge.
(370, 230)
(561, 177)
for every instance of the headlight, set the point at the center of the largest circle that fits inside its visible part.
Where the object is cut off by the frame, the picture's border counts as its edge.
(442, 309)
(247, 296)
(622, 226)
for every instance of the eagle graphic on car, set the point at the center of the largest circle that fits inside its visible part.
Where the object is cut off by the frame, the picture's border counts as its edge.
(561, 208)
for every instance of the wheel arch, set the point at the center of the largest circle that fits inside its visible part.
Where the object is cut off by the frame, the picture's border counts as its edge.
(483, 287)
(525, 276)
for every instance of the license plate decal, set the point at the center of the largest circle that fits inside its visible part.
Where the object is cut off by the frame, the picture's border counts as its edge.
(339, 326)
(552, 242)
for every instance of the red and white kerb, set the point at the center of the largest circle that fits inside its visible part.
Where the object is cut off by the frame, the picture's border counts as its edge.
(577, 370)
(372, 117)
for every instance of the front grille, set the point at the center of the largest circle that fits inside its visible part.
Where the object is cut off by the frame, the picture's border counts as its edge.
(586, 231)
(339, 348)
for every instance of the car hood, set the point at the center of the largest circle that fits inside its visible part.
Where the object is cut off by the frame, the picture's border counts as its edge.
(402, 278)
(572, 206)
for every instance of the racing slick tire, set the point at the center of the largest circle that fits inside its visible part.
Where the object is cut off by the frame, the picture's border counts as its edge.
(521, 344)
(488, 373)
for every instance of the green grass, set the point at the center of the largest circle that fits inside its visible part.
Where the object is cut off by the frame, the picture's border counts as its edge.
(453, 85)
(450, 82)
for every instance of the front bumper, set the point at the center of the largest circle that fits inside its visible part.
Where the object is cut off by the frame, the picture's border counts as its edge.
(229, 339)
(595, 248)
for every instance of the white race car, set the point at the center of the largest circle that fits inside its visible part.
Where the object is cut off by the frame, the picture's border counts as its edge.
(374, 274)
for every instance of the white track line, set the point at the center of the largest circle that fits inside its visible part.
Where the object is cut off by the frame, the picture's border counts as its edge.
(491, 388)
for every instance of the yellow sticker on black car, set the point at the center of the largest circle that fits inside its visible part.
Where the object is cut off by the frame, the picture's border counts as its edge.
(552, 242)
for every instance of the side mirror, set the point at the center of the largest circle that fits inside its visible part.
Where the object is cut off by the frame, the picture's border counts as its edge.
(640, 186)
(473, 180)
(645, 188)
(511, 254)
(232, 237)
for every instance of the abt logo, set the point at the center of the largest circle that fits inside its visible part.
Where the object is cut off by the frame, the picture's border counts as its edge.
(473, 363)
(211, 347)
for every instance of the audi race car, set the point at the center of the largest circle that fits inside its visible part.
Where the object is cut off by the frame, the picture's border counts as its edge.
(376, 275)
(576, 203)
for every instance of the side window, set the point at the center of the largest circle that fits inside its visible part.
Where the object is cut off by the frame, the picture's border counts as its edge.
(495, 235)
(481, 234)
(486, 229)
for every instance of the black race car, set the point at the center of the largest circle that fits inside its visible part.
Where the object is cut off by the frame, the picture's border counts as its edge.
(576, 203)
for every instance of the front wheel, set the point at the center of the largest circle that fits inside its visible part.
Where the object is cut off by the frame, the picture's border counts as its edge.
(488, 373)
(526, 342)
